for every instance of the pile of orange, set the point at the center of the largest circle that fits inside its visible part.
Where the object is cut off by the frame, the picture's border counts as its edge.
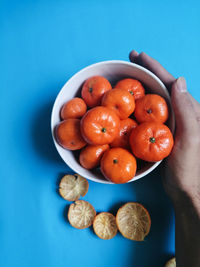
(114, 127)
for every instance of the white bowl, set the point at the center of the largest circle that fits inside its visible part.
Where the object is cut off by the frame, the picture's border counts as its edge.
(113, 70)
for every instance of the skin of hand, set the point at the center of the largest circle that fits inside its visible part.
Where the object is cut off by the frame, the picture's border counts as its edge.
(181, 170)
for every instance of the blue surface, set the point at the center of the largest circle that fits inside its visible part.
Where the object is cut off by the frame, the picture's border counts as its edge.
(42, 44)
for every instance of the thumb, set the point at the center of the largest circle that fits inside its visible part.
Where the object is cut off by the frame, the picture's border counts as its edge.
(183, 108)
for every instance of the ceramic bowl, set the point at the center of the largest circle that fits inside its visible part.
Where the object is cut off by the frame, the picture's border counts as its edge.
(113, 70)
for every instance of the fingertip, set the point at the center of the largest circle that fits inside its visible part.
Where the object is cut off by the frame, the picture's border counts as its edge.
(179, 85)
(143, 55)
(182, 106)
(133, 55)
(147, 61)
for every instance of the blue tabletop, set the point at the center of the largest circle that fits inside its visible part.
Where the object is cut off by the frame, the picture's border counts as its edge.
(42, 44)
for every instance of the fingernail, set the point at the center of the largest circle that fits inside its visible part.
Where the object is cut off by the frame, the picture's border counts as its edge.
(181, 85)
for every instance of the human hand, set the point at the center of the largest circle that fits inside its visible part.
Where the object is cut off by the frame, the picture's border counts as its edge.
(182, 167)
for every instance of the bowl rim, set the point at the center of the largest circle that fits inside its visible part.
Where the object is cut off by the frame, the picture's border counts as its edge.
(107, 62)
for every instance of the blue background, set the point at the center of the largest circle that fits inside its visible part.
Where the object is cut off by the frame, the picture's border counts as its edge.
(42, 44)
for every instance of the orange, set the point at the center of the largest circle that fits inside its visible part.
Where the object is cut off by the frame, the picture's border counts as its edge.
(93, 89)
(151, 107)
(119, 101)
(118, 165)
(71, 187)
(99, 126)
(81, 214)
(134, 87)
(151, 141)
(171, 263)
(91, 155)
(74, 108)
(125, 128)
(105, 226)
(68, 134)
(133, 221)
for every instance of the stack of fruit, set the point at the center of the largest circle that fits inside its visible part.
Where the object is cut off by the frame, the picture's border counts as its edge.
(115, 127)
